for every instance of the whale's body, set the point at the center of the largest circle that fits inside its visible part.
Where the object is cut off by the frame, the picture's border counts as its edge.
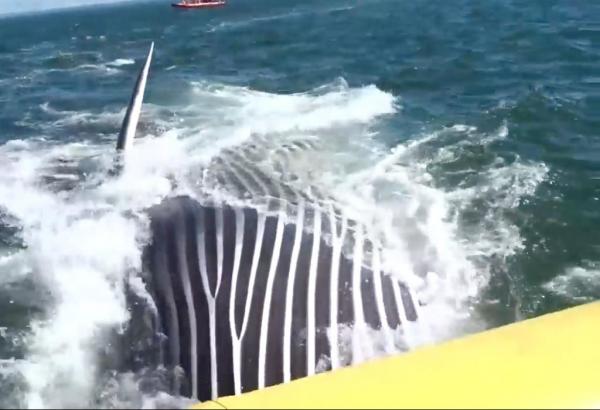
(249, 299)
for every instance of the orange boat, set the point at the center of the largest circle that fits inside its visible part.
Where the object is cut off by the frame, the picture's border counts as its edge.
(196, 4)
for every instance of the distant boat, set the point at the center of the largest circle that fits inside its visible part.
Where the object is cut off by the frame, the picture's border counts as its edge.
(195, 4)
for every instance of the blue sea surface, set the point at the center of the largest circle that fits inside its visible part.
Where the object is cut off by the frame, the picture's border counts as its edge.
(474, 124)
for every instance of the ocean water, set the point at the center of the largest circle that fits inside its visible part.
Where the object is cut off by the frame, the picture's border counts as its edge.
(466, 132)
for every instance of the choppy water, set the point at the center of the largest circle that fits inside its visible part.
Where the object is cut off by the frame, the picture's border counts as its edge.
(467, 130)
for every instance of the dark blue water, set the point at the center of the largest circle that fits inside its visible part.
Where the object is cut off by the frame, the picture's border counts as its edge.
(471, 125)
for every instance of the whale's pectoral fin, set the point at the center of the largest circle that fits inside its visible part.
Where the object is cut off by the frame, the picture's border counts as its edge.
(134, 108)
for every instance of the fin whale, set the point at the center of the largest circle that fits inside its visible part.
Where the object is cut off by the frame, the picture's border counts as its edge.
(247, 297)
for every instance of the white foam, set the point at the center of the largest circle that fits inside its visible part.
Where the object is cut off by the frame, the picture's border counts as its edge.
(79, 247)
(66, 118)
(13, 267)
(325, 107)
(104, 68)
(121, 62)
(577, 285)
(240, 24)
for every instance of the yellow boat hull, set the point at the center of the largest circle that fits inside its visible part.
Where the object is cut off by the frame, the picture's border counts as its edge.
(552, 361)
